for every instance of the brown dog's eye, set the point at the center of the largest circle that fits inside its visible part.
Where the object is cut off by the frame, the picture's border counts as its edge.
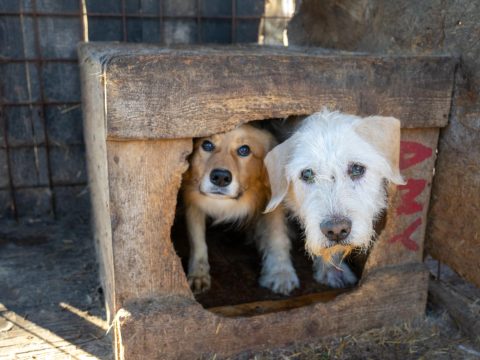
(243, 150)
(356, 171)
(308, 176)
(208, 146)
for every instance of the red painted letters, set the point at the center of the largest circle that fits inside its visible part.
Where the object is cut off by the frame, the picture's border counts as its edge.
(404, 237)
(411, 153)
(414, 188)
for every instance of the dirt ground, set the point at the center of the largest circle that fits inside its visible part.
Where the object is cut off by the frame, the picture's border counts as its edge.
(51, 307)
(435, 337)
(50, 298)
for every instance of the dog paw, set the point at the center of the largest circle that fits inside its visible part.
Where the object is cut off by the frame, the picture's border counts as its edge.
(199, 283)
(335, 276)
(199, 276)
(280, 282)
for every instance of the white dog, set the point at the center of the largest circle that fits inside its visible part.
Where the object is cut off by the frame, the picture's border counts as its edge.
(331, 175)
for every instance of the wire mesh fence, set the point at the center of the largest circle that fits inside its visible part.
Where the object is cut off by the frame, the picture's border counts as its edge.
(42, 155)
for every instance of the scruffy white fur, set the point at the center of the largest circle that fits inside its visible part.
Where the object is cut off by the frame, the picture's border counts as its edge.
(241, 201)
(328, 143)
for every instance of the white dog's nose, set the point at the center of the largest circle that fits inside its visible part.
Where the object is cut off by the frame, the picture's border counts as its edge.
(337, 228)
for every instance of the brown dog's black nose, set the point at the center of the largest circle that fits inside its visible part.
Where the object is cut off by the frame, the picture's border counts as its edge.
(336, 229)
(221, 177)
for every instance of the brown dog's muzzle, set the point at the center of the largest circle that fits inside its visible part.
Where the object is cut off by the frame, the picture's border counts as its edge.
(221, 177)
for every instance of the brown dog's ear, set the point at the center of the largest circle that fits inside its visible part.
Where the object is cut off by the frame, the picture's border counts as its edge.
(275, 162)
(384, 134)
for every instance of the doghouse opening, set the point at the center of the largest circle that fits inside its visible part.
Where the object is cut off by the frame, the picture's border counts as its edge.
(235, 266)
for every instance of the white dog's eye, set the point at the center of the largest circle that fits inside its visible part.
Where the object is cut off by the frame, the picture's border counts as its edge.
(308, 176)
(356, 171)
(208, 146)
(243, 150)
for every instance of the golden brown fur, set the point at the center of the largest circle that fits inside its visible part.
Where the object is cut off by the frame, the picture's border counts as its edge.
(250, 172)
(243, 199)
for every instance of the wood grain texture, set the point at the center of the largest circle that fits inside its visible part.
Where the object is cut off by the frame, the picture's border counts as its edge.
(270, 306)
(154, 330)
(97, 170)
(408, 207)
(462, 309)
(152, 91)
(144, 178)
(214, 93)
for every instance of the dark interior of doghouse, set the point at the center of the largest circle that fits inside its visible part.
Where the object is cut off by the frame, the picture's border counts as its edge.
(235, 266)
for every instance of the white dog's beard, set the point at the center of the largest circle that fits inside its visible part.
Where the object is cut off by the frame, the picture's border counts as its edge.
(361, 236)
(364, 239)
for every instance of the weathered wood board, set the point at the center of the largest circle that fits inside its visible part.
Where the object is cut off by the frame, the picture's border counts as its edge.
(142, 106)
(401, 240)
(390, 294)
(463, 310)
(152, 92)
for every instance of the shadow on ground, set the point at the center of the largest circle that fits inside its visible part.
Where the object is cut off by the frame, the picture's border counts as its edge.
(50, 301)
(51, 307)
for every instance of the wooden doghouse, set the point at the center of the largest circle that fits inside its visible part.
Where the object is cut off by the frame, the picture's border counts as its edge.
(142, 107)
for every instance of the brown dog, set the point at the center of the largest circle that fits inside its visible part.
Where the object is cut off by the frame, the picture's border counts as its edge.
(228, 182)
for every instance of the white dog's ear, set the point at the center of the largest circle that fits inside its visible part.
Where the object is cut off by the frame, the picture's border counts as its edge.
(384, 134)
(275, 162)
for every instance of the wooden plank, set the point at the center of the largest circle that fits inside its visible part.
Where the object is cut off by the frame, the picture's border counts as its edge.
(385, 298)
(226, 90)
(144, 178)
(270, 306)
(453, 235)
(402, 239)
(96, 156)
(465, 312)
(151, 93)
